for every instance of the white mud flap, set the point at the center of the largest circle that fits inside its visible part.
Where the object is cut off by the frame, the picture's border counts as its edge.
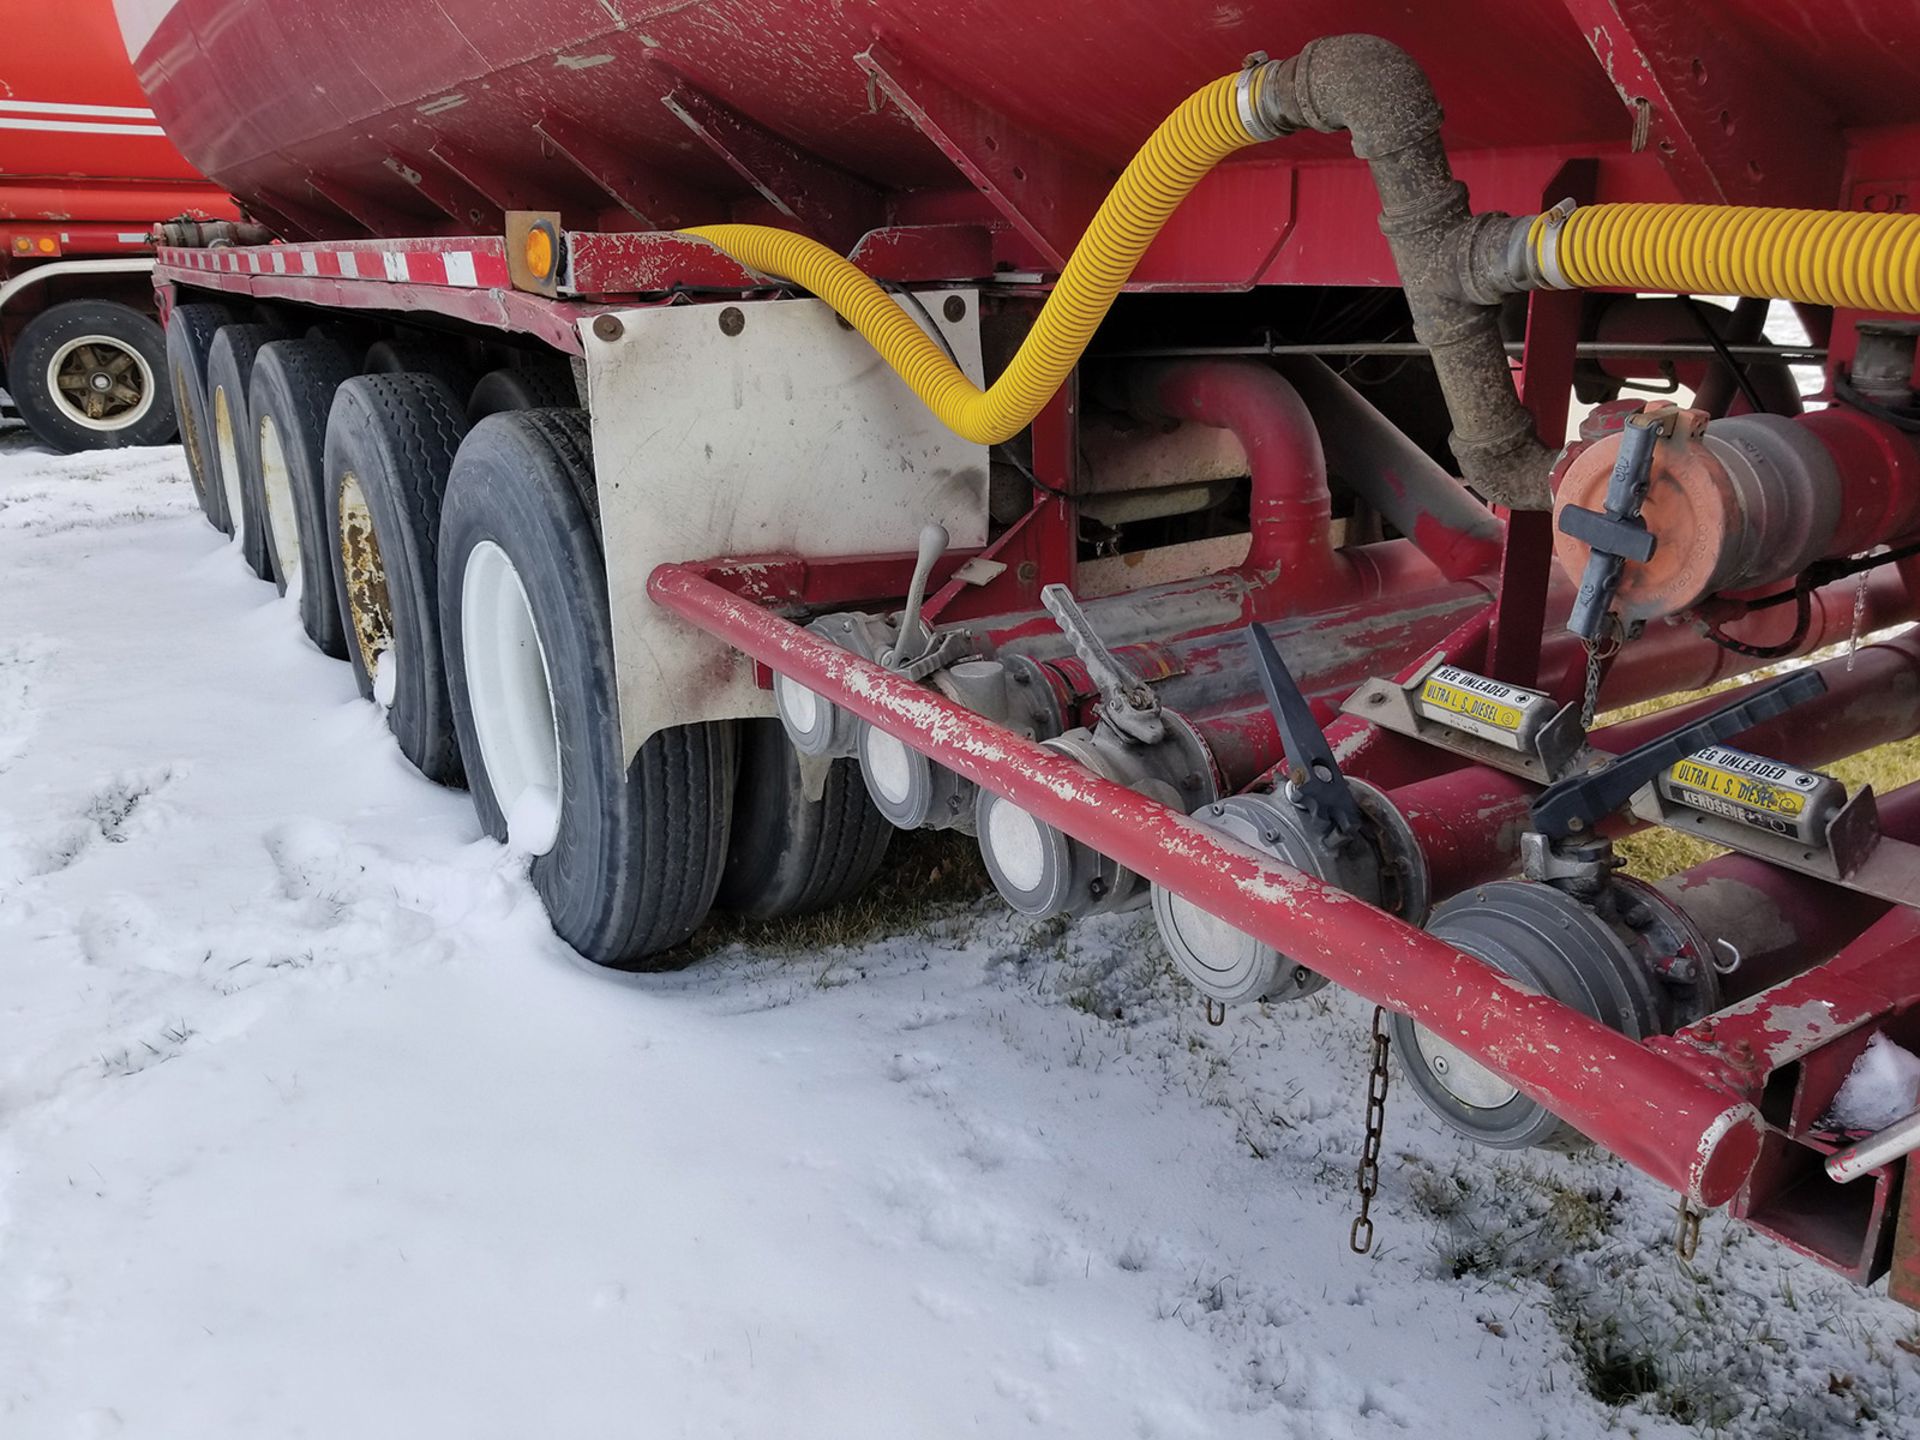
(761, 428)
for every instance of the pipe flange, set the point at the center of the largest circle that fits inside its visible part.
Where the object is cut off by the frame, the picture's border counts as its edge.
(1043, 871)
(1225, 964)
(1406, 884)
(913, 791)
(1632, 960)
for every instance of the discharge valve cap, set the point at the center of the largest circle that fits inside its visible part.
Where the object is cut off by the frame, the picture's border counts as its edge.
(1335, 829)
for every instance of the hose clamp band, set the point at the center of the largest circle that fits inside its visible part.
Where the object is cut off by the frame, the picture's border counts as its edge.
(1246, 99)
(1548, 251)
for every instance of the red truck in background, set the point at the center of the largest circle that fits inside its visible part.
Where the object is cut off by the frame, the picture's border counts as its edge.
(86, 173)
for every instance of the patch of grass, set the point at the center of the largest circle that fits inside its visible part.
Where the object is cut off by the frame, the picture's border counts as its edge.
(927, 875)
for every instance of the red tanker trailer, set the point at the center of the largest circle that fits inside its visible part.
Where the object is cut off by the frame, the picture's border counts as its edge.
(720, 434)
(86, 173)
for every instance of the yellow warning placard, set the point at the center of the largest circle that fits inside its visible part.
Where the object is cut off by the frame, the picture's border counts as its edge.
(1459, 701)
(1754, 792)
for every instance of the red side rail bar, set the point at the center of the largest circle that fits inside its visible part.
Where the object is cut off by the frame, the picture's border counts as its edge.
(1667, 1119)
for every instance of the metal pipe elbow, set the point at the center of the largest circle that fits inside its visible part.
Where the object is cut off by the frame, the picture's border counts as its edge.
(1363, 84)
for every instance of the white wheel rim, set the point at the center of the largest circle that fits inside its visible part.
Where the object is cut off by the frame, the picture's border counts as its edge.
(102, 373)
(283, 526)
(511, 692)
(226, 447)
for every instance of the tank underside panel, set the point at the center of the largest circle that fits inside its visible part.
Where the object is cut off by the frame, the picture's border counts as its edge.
(403, 118)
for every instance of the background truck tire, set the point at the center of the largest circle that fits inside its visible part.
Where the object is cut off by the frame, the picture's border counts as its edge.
(235, 447)
(627, 857)
(792, 855)
(190, 332)
(419, 357)
(92, 375)
(390, 443)
(288, 400)
(522, 388)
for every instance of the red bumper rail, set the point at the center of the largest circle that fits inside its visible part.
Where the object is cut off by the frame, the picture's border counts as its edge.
(1664, 1118)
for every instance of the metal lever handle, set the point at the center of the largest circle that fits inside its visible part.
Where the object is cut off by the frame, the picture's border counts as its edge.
(1579, 802)
(1126, 700)
(1314, 781)
(1616, 534)
(915, 637)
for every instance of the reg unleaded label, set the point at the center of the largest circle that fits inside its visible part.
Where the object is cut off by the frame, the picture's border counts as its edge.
(1754, 790)
(1490, 709)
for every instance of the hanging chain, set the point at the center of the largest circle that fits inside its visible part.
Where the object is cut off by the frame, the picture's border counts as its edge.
(1859, 615)
(1360, 1237)
(1600, 650)
(1686, 1239)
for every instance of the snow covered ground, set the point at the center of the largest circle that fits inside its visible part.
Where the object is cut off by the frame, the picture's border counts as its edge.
(309, 1127)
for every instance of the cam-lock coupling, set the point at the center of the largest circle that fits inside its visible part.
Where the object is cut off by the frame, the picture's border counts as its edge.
(1617, 534)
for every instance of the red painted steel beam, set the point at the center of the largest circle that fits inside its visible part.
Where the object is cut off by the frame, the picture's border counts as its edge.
(1677, 1126)
(554, 322)
(1044, 191)
(1546, 389)
(502, 188)
(826, 202)
(1731, 126)
(449, 194)
(654, 198)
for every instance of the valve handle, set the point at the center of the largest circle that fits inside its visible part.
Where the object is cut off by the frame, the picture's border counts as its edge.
(1579, 802)
(1616, 534)
(1127, 702)
(915, 636)
(1314, 781)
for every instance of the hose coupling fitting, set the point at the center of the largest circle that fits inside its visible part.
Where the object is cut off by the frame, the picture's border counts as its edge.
(1258, 95)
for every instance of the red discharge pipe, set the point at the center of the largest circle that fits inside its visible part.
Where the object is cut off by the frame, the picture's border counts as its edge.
(1676, 1125)
(1292, 508)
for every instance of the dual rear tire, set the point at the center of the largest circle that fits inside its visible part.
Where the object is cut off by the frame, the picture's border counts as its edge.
(627, 856)
(461, 574)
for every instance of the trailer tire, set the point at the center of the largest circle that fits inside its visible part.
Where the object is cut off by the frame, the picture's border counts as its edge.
(235, 446)
(418, 357)
(288, 400)
(792, 855)
(190, 332)
(626, 856)
(524, 388)
(83, 343)
(390, 444)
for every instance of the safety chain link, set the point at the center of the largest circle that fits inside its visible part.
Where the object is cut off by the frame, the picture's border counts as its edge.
(1360, 1237)
(1686, 1239)
(1859, 615)
(1599, 651)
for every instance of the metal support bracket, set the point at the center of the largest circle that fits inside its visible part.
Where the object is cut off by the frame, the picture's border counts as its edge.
(1542, 752)
(1852, 854)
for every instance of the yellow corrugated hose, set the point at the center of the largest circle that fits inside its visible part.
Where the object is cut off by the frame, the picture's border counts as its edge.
(1190, 142)
(1854, 258)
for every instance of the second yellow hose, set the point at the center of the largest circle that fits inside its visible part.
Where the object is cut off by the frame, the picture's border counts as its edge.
(1853, 258)
(1204, 130)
